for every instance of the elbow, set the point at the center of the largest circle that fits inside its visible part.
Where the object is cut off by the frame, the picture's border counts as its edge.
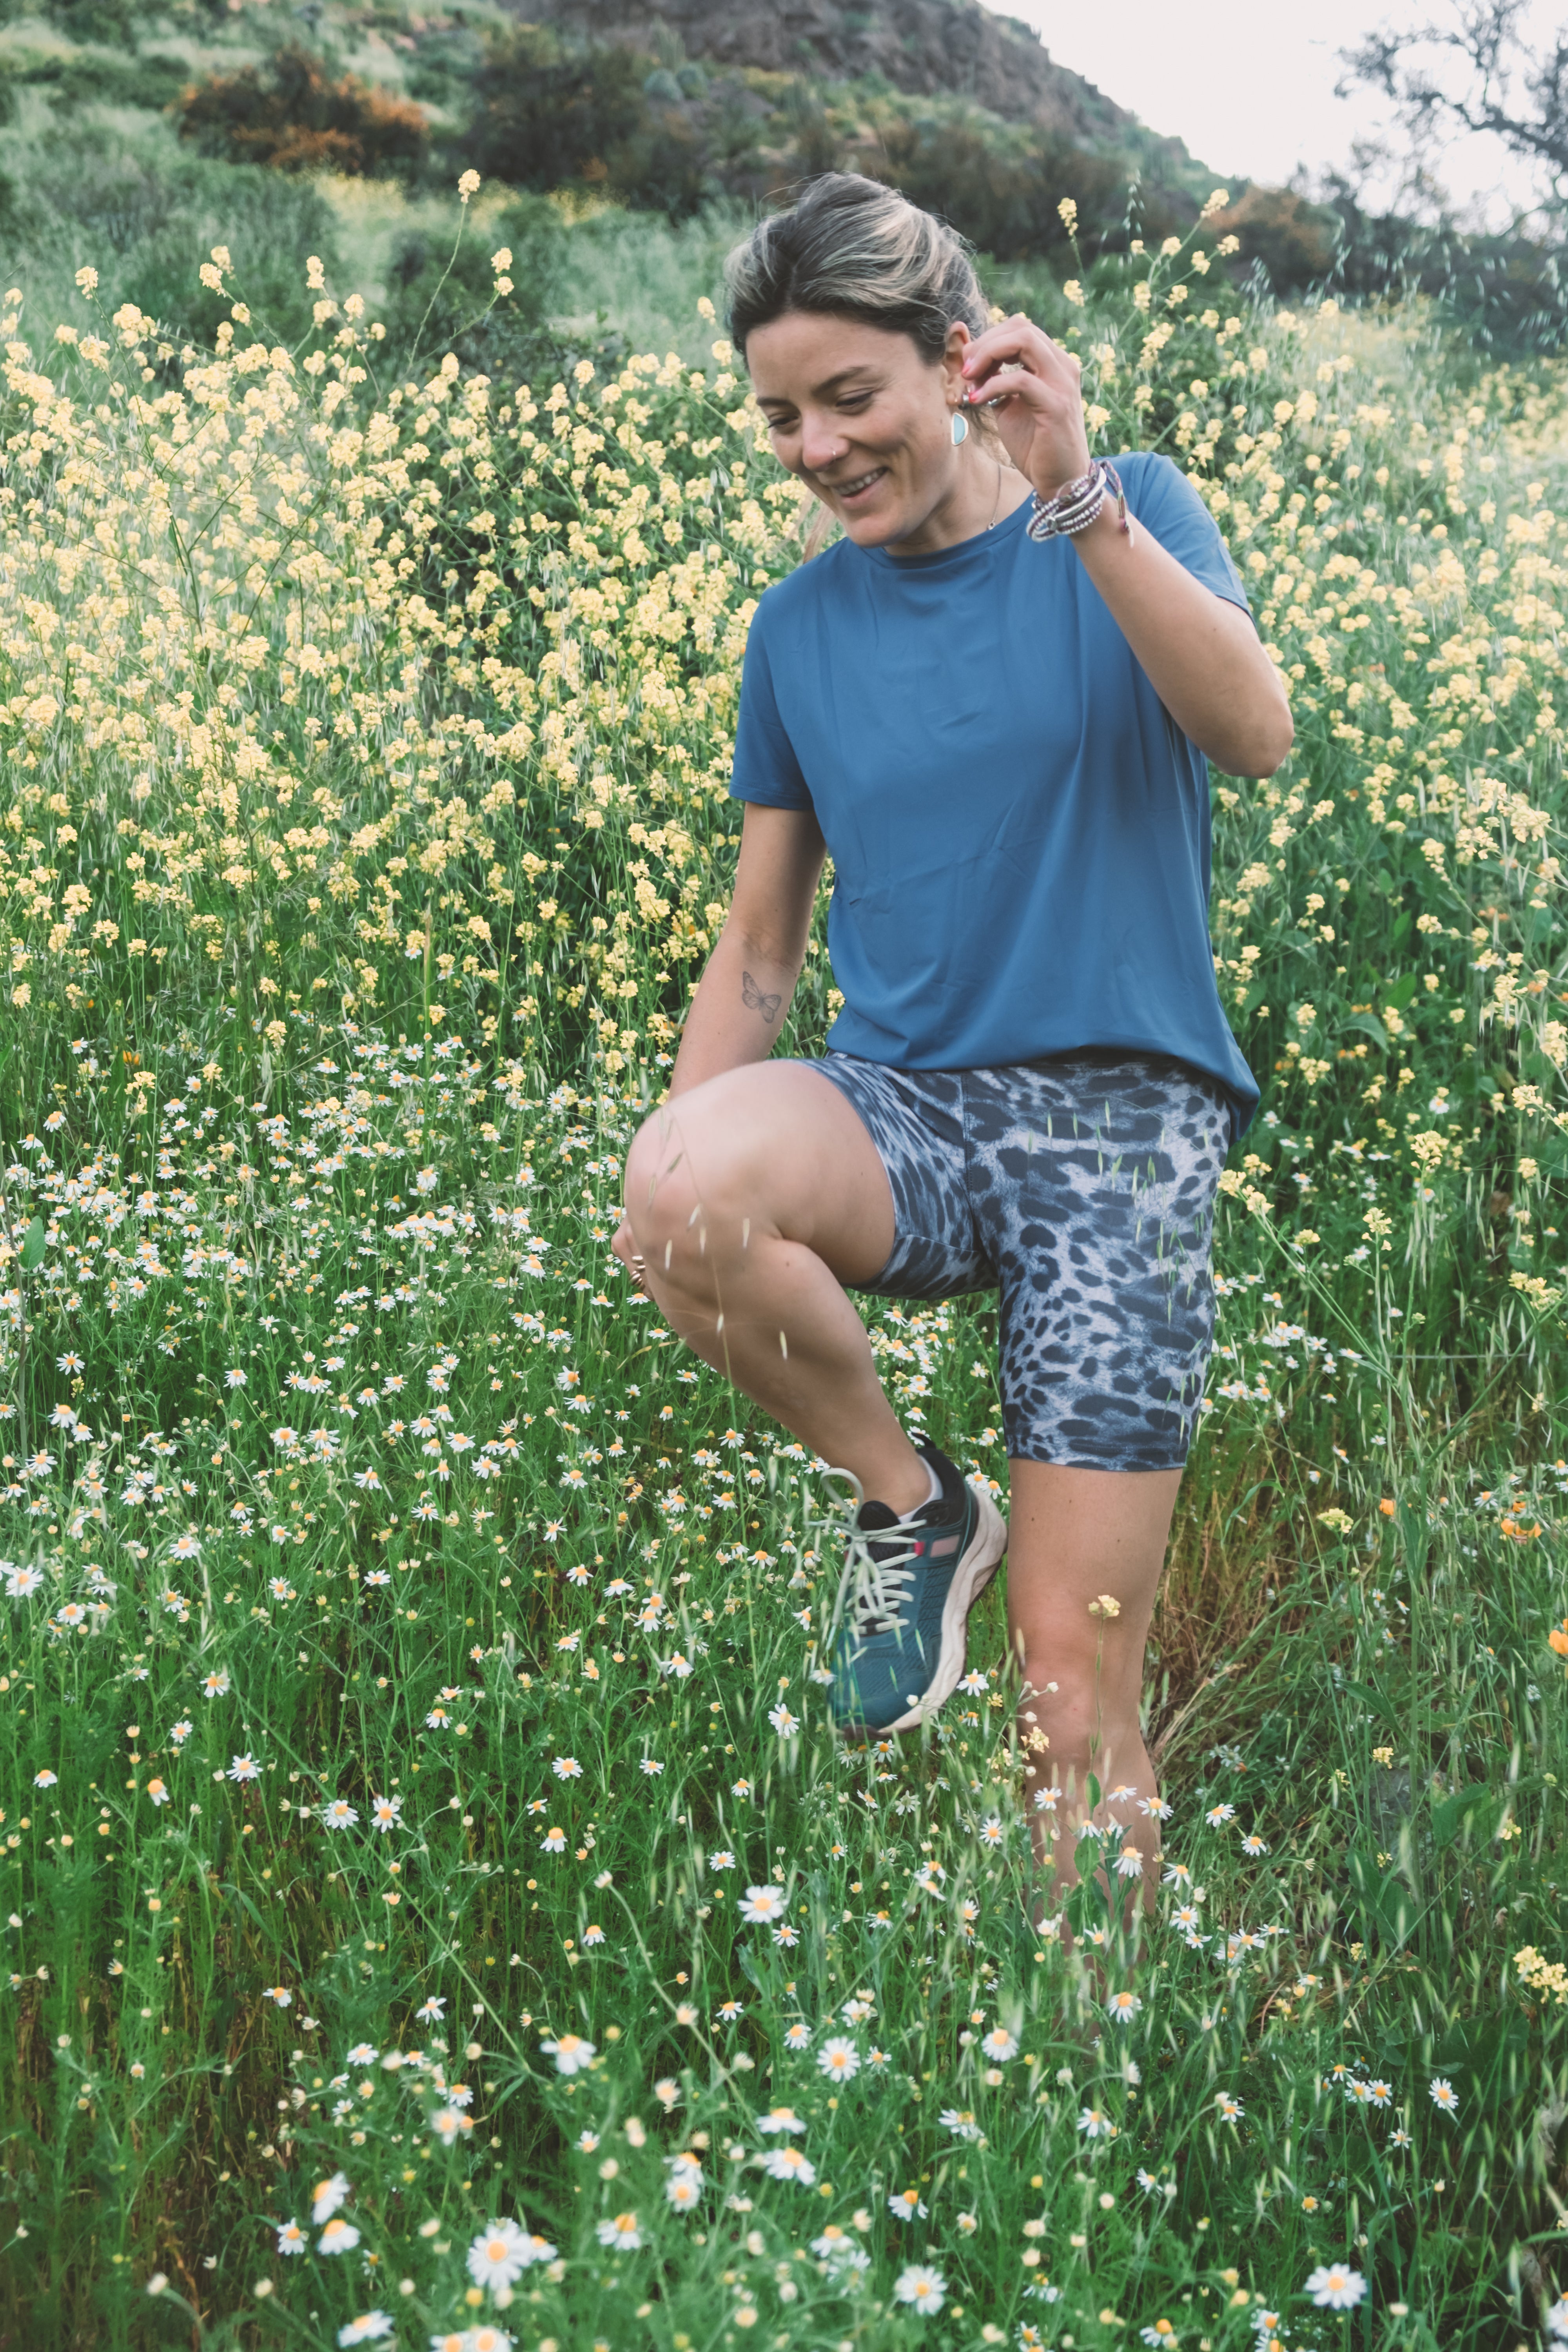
(1271, 747)
(768, 932)
(1261, 747)
(1276, 732)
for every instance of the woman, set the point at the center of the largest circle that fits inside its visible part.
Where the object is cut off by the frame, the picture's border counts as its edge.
(991, 700)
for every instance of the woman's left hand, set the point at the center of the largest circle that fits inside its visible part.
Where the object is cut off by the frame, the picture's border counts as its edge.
(1032, 387)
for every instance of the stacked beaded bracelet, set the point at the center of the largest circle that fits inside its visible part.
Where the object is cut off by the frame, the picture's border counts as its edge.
(1077, 504)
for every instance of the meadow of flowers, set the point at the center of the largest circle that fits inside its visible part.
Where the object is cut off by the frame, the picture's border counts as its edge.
(437, 1910)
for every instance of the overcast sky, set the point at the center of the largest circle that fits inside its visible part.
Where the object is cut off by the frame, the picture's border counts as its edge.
(1249, 84)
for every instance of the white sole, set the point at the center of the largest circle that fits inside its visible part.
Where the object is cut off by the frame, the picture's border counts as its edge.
(973, 1574)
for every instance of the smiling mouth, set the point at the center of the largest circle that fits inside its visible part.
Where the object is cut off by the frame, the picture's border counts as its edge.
(859, 486)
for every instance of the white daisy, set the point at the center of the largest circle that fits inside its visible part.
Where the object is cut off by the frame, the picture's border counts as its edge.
(499, 2254)
(1333, 2287)
(571, 2053)
(923, 2289)
(327, 2197)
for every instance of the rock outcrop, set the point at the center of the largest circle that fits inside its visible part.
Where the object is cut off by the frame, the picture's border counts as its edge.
(925, 48)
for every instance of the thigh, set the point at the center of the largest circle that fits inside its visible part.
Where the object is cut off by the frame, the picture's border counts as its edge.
(769, 1149)
(915, 1119)
(1102, 1187)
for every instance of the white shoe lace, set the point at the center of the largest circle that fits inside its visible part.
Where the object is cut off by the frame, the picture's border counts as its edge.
(873, 1593)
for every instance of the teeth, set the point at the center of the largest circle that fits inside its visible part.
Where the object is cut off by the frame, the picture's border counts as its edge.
(847, 489)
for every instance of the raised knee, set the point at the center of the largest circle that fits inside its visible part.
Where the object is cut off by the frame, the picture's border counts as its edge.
(681, 1222)
(659, 1197)
(646, 1169)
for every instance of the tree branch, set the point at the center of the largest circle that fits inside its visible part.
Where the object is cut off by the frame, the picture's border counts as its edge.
(1476, 72)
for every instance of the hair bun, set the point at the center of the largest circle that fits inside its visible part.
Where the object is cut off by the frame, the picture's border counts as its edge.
(852, 248)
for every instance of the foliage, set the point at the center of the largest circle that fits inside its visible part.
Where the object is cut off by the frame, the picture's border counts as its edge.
(550, 113)
(412, 1657)
(439, 300)
(547, 115)
(88, 77)
(158, 216)
(543, 114)
(1498, 293)
(287, 114)
(1473, 72)
(113, 22)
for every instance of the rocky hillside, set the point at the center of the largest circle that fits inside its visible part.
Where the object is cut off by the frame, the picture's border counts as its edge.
(924, 47)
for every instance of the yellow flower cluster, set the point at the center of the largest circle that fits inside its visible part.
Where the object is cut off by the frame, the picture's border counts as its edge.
(1548, 1980)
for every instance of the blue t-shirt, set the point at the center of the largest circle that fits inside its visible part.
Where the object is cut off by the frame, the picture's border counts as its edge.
(1019, 829)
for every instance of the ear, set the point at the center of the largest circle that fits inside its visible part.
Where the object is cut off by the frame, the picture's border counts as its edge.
(951, 361)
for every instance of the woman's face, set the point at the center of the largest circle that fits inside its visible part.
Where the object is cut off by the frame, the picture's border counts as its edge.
(863, 421)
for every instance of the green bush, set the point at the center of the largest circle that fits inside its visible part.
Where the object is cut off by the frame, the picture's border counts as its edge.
(435, 303)
(94, 78)
(441, 71)
(148, 221)
(112, 21)
(544, 116)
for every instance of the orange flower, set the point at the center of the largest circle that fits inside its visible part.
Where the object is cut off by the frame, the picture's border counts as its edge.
(1558, 1639)
(1386, 1507)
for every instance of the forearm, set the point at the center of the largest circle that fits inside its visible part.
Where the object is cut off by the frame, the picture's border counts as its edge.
(1202, 655)
(738, 1011)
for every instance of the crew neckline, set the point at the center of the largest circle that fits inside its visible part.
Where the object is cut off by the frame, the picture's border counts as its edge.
(962, 550)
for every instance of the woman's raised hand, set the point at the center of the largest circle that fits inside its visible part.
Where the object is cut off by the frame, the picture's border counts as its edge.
(1032, 388)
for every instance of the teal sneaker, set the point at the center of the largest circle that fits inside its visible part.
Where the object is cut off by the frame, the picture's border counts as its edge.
(898, 1636)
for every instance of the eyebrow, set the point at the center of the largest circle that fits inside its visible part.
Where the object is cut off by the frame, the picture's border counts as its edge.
(831, 384)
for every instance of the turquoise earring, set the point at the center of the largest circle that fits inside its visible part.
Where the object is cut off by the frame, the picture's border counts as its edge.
(960, 428)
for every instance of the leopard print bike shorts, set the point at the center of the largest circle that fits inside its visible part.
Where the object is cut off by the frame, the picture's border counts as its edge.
(1081, 1188)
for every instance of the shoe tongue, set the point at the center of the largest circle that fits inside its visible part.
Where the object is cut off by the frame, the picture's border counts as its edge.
(876, 1515)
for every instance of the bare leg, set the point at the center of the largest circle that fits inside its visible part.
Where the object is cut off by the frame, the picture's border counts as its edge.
(754, 1198)
(1077, 1537)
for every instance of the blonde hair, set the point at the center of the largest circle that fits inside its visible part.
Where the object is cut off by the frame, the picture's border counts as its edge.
(852, 248)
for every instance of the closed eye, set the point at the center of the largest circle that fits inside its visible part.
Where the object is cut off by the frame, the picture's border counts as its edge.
(852, 401)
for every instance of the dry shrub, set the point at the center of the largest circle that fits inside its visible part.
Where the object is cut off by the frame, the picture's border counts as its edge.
(288, 115)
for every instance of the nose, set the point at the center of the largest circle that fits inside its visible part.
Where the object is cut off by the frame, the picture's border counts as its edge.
(821, 445)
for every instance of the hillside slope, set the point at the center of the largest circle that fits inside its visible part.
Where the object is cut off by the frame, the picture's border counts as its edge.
(924, 47)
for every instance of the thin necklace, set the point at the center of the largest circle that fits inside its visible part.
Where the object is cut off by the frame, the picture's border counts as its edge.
(992, 524)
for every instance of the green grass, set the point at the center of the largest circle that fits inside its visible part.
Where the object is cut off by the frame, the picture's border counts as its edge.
(365, 827)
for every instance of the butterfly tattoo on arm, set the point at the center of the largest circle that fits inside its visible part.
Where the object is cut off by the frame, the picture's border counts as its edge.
(757, 1001)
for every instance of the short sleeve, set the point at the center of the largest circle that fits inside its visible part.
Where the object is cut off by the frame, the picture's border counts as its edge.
(1183, 526)
(766, 768)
